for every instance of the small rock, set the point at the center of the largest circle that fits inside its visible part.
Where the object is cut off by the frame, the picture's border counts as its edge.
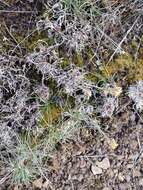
(124, 186)
(104, 164)
(106, 188)
(30, 1)
(121, 177)
(37, 183)
(128, 178)
(46, 184)
(136, 173)
(134, 144)
(82, 163)
(141, 182)
(16, 188)
(96, 170)
(115, 171)
(129, 166)
(119, 164)
(111, 173)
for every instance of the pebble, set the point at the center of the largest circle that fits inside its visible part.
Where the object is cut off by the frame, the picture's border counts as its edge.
(104, 164)
(141, 182)
(96, 170)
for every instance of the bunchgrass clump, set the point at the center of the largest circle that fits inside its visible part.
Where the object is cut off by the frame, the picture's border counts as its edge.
(26, 163)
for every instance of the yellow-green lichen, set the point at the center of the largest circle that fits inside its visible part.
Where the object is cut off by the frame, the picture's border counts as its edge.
(78, 60)
(22, 42)
(65, 62)
(50, 114)
(33, 41)
(134, 69)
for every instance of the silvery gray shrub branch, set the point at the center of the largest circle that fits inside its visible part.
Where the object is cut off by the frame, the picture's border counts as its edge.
(16, 111)
(71, 79)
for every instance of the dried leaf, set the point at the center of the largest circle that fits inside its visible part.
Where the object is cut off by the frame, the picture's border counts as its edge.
(113, 144)
(87, 93)
(114, 91)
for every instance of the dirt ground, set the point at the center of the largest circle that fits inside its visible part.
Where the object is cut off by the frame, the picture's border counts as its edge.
(89, 162)
(72, 166)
